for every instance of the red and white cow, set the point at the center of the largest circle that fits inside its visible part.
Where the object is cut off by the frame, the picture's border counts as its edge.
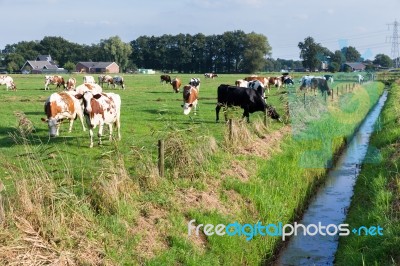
(210, 75)
(8, 81)
(190, 99)
(100, 109)
(105, 79)
(241, 83)
(60, 106)
(71, 84)
(176, 84)
(55, 80)
(89, 79)
(263, 80)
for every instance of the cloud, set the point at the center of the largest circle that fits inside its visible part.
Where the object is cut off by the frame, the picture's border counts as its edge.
(301, 16)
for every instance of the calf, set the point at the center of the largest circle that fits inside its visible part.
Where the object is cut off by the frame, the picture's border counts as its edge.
(190, 98)
(60, 106)
(8, 81)
(100, 109)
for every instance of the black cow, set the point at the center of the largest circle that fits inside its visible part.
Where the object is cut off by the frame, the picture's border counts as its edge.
(250, 100)
(316, 83)
(165, 78)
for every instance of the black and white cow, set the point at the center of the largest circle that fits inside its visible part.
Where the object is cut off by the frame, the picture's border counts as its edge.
(250, 100)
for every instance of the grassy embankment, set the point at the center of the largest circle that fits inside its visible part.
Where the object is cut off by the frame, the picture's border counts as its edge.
(64, 202)
(376, 199)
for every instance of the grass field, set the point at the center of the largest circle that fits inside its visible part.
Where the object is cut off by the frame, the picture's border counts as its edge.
(107, 205)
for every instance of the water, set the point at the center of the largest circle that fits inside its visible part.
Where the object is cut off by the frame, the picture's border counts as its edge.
(331, 201)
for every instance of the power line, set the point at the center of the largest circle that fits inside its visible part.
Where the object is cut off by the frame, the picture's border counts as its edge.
(395, 43)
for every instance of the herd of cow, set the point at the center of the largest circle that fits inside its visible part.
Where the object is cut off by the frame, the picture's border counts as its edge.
(98, 108)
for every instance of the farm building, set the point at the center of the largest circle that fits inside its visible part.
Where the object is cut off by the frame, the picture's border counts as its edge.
(146, 71)
(355, 66)
(42, 64)
(97, 67)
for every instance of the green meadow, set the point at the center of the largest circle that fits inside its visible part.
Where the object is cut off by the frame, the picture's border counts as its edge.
(62, 202)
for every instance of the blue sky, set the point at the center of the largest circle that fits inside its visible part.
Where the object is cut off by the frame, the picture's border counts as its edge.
(285, 23)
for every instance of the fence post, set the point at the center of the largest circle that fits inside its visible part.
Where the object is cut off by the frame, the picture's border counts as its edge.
(230, 129)
(304, 100)
(161, 157)
(337, 91)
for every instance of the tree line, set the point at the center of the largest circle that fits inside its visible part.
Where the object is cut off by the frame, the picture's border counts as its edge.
(230, 52)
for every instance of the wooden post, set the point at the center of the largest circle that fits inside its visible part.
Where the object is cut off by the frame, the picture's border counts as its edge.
(337, 91)
(304, 100)
(230, 129)
(332, 92)
(161, 158)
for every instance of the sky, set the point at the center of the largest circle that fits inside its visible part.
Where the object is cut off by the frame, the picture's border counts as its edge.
(366, 25)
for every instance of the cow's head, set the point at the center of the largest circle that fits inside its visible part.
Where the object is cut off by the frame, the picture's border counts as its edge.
(53, 125)
(87, 98)
(271, 112)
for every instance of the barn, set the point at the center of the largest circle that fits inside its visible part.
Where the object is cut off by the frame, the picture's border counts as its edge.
(97, 67)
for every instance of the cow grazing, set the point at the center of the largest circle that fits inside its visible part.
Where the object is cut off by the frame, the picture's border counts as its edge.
(287, 81)
(165, 79)
(257, 86)
(190, 99)
(360, 79)
(263, 80)
(195, 82)
(8, 81)
(71, 84)
(176, 84)
(210, 75)
(100, 109)
(94, 88)
(248, 99)
(55, 80)
(315, 83)
(329, 78)
(118, 81)
(60, 106)
(105, 79)
(89, 79)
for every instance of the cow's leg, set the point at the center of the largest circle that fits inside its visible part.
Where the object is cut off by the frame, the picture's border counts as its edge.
(100, 133)
(110, 129)
(246, 114)
(217, 109)
(71, 123)
(91, 137)
(80, 115)
(58, 129)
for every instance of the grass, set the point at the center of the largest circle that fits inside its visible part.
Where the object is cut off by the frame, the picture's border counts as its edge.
(65, 203)
(376, 198)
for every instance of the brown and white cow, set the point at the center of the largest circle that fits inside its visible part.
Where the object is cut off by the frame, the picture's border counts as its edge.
(190, 99)
(100, 109)
(89, 79)
(71, 84)
(241, 83)
(263, 80)
(60, 106)
(106, 79)
(55, 80)
(8, 81)
(210, 75)
(176, 84)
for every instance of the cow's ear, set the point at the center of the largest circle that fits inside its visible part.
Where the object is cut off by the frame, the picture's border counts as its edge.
(44, 119)
(97, 96)
(78, 96)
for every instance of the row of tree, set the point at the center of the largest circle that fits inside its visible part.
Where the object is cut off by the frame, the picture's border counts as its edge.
(230, 52)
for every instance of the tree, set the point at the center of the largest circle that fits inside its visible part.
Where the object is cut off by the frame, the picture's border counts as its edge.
(69, 66)
(351, 54)
(310, 52)
(255, 49)
(116, 50)
(14, 62)
(383, 60)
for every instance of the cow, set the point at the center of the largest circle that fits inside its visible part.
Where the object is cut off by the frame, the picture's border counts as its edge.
(8, 81)
(241, 83)
(118, 80)
(89, 79)
(329, 78)
(100, 109)
(190, 99)
(315, 83)
(105, 79)
(195, 82)
(360, 79)
(60, 106)
(287, 81)
(263, 80)
(210, 75)
(248, 99)
(165, 79)
(71, 84)
(257, 86)
(55, 80)
(176, 84)
(94, 88)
